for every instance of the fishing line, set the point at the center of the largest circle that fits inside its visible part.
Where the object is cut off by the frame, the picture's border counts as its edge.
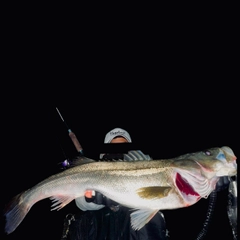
(66, 163)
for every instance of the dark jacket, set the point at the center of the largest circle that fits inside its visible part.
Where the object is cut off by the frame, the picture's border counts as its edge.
(106, 224)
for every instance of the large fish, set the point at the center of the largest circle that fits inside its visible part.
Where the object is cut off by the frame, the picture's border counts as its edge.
(144, 186)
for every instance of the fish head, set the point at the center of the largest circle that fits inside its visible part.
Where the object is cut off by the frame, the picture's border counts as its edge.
(217, 162)
(197, 173)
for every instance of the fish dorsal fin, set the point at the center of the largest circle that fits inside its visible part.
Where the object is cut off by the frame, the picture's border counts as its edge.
(153, 192)
(141, 217)
(80, 160)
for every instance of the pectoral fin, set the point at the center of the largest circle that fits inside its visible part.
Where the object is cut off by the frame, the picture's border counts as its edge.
(141, 217)
(153, 192)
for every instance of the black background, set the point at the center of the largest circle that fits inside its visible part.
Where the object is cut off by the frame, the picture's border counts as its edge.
(175, 93)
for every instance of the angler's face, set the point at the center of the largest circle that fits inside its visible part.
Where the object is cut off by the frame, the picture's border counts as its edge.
(119, 140)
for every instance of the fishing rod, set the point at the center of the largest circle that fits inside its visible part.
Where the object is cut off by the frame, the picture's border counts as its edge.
(66, 163)
(72, 135)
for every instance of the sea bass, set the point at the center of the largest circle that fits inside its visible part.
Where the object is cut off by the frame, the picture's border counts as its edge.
(145, 186)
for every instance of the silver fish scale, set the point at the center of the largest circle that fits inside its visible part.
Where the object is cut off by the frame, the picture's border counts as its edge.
(118, 186)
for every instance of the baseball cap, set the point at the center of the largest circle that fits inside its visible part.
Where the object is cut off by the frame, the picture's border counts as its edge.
(117, 132)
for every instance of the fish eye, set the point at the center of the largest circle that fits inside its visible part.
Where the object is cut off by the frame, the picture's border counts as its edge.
(207, 152)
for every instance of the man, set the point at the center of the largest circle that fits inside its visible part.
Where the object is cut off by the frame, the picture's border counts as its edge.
(113, 221)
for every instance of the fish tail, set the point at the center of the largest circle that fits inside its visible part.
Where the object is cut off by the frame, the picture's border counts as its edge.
(15, 212)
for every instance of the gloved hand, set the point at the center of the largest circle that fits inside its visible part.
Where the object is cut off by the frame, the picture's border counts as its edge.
(222, 183)
(100, 199)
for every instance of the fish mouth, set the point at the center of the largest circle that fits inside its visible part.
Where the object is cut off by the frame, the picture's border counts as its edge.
(227, 156)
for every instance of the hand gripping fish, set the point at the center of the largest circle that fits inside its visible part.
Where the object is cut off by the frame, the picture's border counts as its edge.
(145, 186)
